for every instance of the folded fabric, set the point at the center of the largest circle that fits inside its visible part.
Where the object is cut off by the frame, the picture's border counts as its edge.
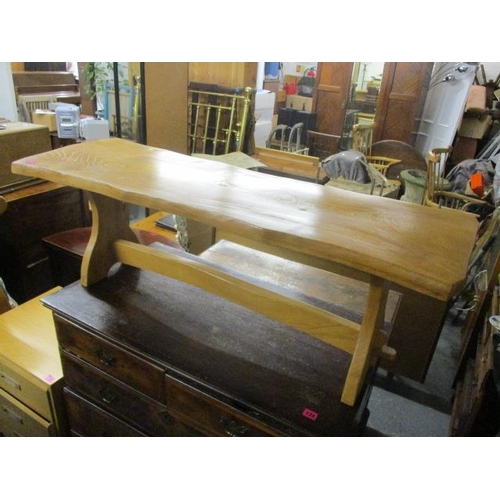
(350, 165)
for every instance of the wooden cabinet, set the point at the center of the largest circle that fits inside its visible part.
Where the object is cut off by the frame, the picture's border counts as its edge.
(30, 373)
(135, 364)
(33, 213)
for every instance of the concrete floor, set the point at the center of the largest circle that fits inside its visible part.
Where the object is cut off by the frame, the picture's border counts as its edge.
(405, 408)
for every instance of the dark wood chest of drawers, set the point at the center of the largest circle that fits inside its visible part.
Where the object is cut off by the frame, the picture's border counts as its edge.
(32, 214)
(145, 355)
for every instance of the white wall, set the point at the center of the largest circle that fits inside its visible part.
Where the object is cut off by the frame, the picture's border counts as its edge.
(492, 70)
(8, 107)
(290, 68)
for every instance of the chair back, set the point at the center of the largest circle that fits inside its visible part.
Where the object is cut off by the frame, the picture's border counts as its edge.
(435, 181)
(322, 145)
(362, 138)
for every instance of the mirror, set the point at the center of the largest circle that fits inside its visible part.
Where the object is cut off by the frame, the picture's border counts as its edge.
(361, 108)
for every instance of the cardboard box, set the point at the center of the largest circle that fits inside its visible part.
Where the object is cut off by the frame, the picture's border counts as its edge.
(44, 117)
(476, 98)
(299, 102)
(271, 85)
(475, 127)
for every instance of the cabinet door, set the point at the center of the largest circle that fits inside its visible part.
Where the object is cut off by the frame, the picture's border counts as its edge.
(331, 96)
(402, 96)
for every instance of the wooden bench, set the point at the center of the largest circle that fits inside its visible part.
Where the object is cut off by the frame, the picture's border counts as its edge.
(372, 239)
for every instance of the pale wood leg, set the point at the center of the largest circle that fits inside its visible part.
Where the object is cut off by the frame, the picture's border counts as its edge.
(371, 325)
(109, 223)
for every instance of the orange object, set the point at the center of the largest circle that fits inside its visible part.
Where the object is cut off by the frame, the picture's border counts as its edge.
(477, 184)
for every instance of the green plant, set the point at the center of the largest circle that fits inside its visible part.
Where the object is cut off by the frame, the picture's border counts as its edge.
(96, 75)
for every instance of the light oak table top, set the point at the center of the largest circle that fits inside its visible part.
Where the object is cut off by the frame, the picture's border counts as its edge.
(420, 248)
(414, 246)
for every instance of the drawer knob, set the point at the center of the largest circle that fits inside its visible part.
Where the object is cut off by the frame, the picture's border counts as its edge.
(10, 381)
(232, 427)
(107, 397)
(167, 418)
(105, 357)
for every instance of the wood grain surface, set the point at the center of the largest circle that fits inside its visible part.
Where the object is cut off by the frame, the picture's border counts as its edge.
(418, 247)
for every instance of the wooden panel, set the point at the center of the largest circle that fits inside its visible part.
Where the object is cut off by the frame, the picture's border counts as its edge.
(121, 400)
(228, 74)
(18, 140)
(90, 420)
(119, 363)
(17, 66)
(330, 96)
(210, 416)
(166, 89)
(402, 94)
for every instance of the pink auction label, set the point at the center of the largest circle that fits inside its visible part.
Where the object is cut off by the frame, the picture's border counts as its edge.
(49, 379)
(310, 414)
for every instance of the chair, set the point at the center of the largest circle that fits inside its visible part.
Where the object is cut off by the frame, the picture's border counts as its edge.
(287, 139)
(382, 164)
(362, 142)
(27, 104)
(322, 146)
(436, 188)
(362, 138)
(352, 166)
(378, 179)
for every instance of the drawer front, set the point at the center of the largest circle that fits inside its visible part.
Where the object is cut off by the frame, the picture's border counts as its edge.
(17, 419)
(117, 362)
(33, 396)
(209, 415)
(86, 419)
(121, 400)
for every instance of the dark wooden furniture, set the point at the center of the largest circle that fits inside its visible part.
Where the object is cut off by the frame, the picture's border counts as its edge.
(33, 213)
(135, 364)
(60, 84)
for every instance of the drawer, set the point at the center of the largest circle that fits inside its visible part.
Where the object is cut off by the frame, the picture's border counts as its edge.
(34, 396)
(86, 419)
(17, 419)
(119, 399)
(117, 362)
(209, 415)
